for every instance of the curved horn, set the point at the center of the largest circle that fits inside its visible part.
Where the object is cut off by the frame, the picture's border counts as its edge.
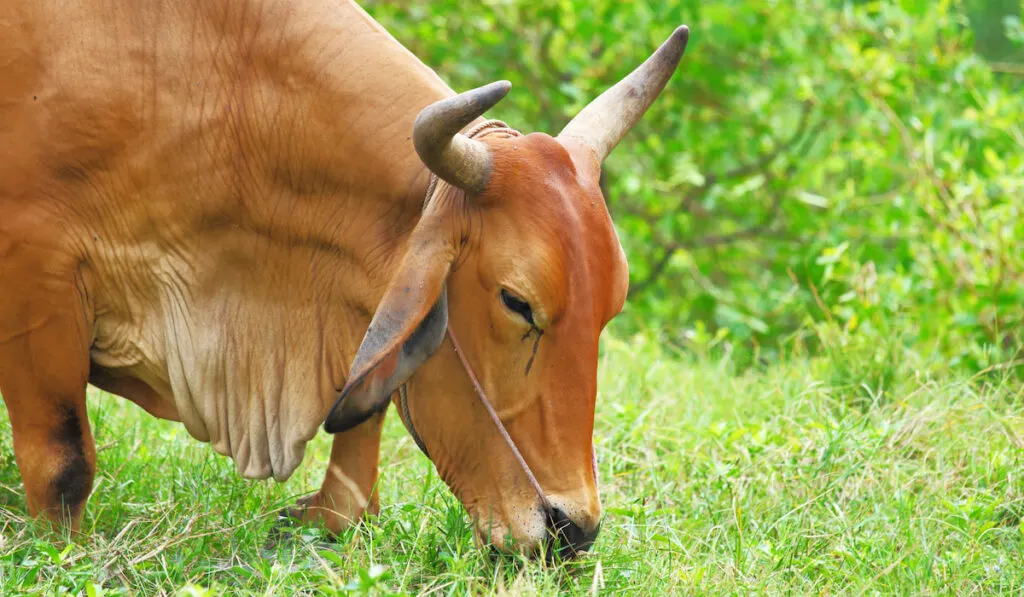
(458, 160)
(607, 119)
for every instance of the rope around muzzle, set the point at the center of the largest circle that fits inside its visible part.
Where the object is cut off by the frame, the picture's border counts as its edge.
(484, 129)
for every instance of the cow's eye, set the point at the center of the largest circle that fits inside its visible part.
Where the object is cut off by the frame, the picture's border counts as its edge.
(517, 305)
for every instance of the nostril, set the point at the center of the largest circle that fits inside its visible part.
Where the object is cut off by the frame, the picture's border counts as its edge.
(566, 538)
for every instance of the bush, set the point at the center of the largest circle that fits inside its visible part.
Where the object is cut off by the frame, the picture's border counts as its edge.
(813, 163)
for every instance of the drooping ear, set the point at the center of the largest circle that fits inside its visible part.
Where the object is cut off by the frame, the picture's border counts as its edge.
(412, 317)
(407, 328)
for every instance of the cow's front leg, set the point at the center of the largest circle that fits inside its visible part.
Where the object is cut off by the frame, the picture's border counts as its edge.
(44, 364)
(349, 489)
(54, 449)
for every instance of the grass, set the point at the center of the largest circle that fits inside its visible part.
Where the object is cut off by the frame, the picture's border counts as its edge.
(783, 480)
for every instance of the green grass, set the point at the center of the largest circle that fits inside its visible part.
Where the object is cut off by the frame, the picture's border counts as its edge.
(783, 480)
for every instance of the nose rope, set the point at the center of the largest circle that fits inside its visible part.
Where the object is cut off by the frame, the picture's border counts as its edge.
(497, 422)
(483, 129)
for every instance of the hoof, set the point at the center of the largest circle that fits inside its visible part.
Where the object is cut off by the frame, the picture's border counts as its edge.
(285, 528)
(290, 524)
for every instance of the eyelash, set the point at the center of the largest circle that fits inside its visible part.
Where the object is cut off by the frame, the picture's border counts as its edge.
(518, 306)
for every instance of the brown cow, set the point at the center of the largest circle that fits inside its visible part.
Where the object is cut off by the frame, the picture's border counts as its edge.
(204, 204)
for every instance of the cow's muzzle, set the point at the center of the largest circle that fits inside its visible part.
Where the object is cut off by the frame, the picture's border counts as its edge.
(566, 538)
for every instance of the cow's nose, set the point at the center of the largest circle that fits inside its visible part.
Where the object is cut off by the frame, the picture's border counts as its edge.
(565, 537)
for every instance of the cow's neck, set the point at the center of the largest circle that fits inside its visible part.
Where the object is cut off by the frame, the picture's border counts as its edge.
(356, 186)
(353, 135)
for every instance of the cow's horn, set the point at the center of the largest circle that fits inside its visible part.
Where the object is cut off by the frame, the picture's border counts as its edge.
(607, 119)
(460, 161)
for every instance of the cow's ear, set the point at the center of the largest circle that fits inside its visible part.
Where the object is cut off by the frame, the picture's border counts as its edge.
(407, 328)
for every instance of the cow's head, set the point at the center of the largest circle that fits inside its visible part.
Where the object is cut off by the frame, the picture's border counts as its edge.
(517, 253)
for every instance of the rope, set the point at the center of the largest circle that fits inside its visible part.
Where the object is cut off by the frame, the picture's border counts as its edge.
(497, 423)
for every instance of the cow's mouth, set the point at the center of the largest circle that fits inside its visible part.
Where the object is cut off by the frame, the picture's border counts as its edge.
(555, 537)
(566, 539)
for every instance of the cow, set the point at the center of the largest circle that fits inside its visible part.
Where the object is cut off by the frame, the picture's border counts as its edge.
(259, 216)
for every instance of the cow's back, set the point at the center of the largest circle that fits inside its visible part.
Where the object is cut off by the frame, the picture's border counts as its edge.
(92, 86)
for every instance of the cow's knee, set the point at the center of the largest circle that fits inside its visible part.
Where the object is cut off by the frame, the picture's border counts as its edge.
(55, 454)
(72, 483)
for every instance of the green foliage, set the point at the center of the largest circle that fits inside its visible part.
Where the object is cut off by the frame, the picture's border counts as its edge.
(790, 480)
(813, 162)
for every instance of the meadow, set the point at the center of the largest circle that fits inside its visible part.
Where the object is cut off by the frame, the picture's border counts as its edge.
(794, 478)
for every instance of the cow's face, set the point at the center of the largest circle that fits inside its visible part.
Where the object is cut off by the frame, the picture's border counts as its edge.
(517, 255)
(539, 275)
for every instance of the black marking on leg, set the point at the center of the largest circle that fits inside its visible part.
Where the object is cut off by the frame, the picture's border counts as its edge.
(73, 483)
(71, 486)
(68, 431)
